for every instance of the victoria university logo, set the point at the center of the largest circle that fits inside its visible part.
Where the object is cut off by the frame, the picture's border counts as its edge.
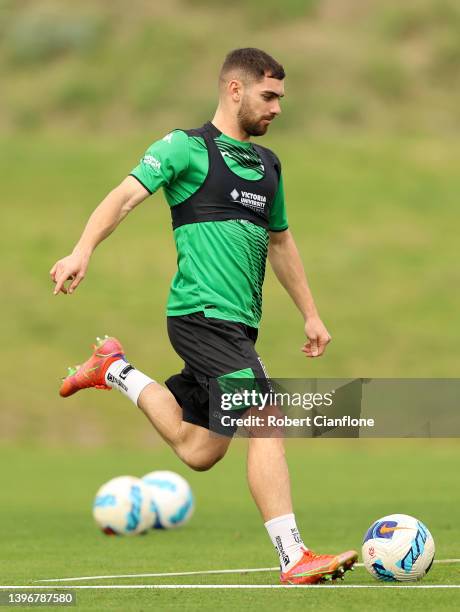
(254, 201)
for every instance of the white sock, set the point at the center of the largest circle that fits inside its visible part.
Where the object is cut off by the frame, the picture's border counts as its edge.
(286, 540)
(123, 376)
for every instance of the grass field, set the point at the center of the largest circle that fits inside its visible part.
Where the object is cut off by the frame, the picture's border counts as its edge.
(48, 532)
(368, 142)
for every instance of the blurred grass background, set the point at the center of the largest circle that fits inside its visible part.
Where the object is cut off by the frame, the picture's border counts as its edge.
(369, 144)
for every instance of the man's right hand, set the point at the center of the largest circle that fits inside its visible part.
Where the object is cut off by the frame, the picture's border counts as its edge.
(71, 268)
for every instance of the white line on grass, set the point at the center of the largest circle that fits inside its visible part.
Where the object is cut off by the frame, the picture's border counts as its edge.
(196, 573)
(237, 586)
(168, 574)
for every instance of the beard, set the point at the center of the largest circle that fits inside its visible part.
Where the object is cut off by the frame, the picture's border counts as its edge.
(250, 122)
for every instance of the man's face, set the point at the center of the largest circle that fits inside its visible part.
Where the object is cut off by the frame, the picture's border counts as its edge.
(260, 104)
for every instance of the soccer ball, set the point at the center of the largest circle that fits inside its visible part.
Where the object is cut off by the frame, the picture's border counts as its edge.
(398, 548)
(123, 506)
(172, 498)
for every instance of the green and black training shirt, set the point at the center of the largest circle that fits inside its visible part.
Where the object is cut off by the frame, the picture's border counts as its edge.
(220, 222)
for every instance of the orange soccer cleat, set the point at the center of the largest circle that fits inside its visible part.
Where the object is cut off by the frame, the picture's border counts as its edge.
(313, 568)
(92, 372)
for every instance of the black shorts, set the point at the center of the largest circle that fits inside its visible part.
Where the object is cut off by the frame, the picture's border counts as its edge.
(210, 348)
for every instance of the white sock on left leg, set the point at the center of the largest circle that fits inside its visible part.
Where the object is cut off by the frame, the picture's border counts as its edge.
(286, 539)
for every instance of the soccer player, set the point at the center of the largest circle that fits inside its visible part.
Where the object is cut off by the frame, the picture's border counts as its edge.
(228, 213)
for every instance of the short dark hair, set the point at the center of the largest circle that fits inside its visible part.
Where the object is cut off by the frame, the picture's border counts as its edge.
(255, 63)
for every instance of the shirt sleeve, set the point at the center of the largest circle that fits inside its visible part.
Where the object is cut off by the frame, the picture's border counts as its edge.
(163, 161)
(277, 221)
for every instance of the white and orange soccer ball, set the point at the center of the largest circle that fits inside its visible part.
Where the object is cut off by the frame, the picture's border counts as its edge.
(398, 548)
(123, 506)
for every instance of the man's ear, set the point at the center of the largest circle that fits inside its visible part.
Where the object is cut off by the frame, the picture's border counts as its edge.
(235, 87)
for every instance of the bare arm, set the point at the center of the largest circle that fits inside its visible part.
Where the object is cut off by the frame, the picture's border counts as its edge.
(286, 263)
(105, 218)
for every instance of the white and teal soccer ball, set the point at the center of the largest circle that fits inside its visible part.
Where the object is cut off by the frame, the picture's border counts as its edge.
(123, 506)
(398, 548)
(172, 498)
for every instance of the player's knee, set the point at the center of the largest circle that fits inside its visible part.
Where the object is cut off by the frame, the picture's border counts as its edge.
(200, 465)
(201, 462)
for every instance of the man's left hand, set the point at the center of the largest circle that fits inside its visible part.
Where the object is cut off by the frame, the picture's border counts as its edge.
(318, 338)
